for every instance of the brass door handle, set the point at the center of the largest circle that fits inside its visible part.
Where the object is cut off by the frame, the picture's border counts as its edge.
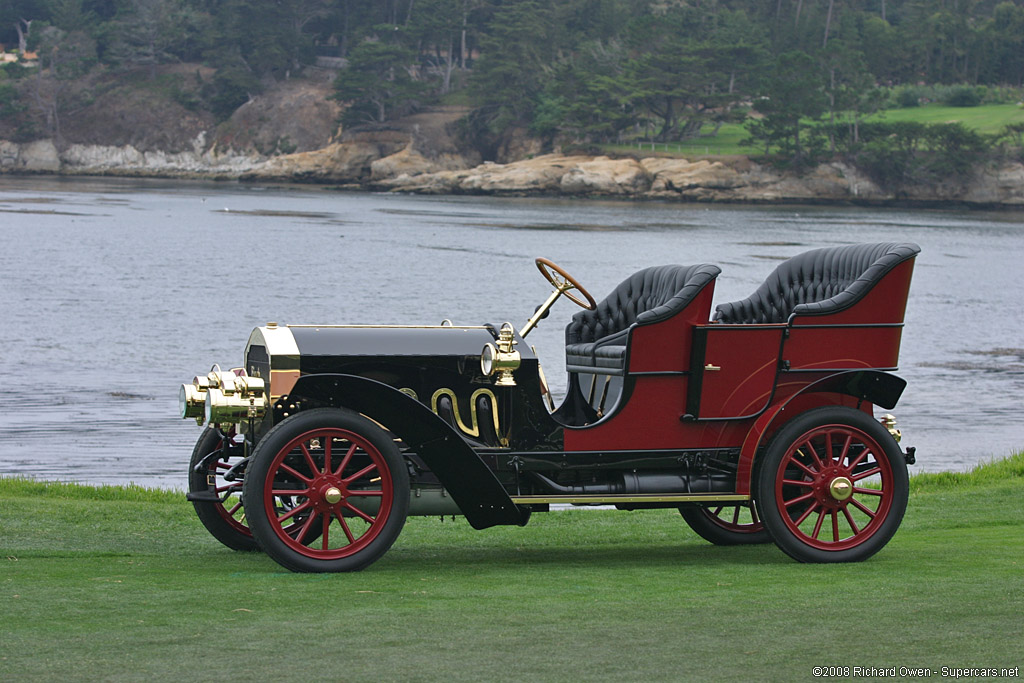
(712, 368)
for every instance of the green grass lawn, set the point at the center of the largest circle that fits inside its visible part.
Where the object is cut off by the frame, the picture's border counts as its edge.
(989, 118)
(726, 142)
(125, 584)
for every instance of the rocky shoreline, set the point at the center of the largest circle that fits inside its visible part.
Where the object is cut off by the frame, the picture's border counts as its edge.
(394, 164)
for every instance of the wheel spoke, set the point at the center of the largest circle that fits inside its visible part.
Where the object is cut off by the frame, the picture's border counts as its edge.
(327, 454)
(348, 532)
(863, 508)
(846, 449)
(313, 469)
(366, 470)
(326, 529)
(753, 514)
(804, 467)
(835, 527)
(344, 461)
(799, 499)
(290, 492)
(736, 515)
(860, 456)
(814, 454)
(868, 492)
(807, 513)
(295, 473)
(359, 493)
(795, 482)
(236, 508)
(866, 473)
(849, 519)
(352, 508)
(305, 527)
(294, 511)
(817, 525)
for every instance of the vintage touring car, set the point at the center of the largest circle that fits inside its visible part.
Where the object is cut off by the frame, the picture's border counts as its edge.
(756, 423)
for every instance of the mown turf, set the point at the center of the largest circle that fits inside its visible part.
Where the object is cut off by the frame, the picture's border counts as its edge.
(988, 119)
(124, 584)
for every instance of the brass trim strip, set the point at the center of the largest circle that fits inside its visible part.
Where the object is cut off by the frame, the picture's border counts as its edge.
(396, 327)
(642, 498)
(475, 429)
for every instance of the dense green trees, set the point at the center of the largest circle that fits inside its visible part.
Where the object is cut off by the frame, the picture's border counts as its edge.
(588, 71)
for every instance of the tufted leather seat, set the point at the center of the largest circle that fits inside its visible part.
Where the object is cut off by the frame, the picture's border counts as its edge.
(595, 341)
(817, 282)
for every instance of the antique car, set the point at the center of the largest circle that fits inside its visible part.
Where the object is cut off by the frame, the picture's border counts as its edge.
(756, 423)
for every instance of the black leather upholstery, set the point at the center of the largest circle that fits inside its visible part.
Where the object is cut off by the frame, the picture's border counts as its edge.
(817, 282)
(596, 340)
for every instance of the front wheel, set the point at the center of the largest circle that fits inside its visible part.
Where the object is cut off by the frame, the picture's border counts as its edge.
(215, 456)
(832, 487)
(342, 476)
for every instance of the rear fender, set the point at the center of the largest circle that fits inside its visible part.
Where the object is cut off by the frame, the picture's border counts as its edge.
(877, 387)
(479, 494)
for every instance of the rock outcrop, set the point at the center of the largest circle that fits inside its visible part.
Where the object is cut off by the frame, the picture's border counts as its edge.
(729, 180)
(392, 160)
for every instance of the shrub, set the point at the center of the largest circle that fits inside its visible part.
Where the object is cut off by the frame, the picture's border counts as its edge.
(230, 89)
(964, 96)
(908, 97)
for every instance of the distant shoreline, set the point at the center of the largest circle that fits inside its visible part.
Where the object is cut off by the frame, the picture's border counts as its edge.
(732, 180)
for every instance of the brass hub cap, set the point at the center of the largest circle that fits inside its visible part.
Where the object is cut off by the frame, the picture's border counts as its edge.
(333, 495)
(841, 488)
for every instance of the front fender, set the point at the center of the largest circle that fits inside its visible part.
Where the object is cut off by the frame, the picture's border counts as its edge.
(878, 387)
(479, 494)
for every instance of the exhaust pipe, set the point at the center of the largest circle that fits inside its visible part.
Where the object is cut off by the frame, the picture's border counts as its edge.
(633, 483)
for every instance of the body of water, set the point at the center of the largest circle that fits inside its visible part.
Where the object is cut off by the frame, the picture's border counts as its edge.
(116, 291)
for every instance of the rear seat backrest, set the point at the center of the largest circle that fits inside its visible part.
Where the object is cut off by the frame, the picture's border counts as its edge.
(817, 282)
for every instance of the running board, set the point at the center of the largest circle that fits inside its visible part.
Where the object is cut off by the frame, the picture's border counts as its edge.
(637, 498)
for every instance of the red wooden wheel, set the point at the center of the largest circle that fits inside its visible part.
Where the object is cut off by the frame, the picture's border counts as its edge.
(726, 524)
(326, 490)
(214, 456)
(833, 486)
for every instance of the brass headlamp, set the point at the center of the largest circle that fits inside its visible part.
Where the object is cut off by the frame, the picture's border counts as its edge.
(223, 397)
(502, 358)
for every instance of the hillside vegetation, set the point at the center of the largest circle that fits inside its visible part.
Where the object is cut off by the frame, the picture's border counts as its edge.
(793, 80)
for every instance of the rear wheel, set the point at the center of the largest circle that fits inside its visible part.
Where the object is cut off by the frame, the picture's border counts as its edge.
(832, 487)
(726, 524)
(339, 473)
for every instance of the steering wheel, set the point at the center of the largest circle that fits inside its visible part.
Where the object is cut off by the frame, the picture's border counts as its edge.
(566, 284)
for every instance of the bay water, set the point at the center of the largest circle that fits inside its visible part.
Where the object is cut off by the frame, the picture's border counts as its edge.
(115, 291)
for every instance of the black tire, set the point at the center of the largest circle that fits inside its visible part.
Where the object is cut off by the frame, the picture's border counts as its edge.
(224, 520)
(814, 470)
(721, 523)
(340, 470)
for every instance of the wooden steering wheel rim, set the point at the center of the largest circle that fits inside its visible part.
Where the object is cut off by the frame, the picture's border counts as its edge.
(545, 266)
